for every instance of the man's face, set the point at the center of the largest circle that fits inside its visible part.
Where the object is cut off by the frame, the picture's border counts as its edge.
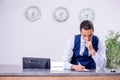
(87, 34)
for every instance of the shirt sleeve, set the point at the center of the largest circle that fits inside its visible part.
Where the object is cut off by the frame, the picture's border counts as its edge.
(68, 53)
(100, 56)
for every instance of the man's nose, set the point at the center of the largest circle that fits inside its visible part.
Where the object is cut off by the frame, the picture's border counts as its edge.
(87, 38)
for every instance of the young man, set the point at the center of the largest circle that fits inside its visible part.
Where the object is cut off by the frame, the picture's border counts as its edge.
(85, 50)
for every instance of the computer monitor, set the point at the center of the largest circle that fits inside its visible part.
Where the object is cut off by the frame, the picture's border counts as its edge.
(36, 63)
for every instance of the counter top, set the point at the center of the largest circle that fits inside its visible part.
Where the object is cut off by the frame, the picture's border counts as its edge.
(17, 70)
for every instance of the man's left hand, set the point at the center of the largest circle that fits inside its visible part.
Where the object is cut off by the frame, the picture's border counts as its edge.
(90, 47)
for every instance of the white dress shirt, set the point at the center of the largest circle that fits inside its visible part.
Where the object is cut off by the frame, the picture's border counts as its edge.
(99, 57)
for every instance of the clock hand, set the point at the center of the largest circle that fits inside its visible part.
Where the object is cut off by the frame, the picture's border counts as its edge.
(33, 15)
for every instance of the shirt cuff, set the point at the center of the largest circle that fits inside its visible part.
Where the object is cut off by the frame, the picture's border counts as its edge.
(67, 65)
(95, 57)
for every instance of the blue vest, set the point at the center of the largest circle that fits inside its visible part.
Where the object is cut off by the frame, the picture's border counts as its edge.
(86, 61)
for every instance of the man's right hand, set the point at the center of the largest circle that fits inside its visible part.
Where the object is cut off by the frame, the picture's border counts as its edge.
(78, 67)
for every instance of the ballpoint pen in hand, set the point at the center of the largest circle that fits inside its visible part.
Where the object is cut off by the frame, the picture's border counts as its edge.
(84, 68)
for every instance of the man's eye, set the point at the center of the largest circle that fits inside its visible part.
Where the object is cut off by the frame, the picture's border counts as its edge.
(90, 35)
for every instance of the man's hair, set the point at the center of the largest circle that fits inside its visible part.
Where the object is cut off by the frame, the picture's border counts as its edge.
(87, 25)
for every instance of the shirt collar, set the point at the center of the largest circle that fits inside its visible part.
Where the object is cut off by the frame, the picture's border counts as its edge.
(82, 41)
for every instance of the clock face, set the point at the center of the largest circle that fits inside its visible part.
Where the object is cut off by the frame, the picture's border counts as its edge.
(61, 14)
(33, 13)
(87, 14)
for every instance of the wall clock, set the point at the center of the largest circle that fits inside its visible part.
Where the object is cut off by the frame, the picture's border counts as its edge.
(33, 13)
(61, 14)
(87, 14)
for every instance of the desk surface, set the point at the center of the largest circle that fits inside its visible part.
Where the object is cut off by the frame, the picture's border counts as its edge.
(17, 70)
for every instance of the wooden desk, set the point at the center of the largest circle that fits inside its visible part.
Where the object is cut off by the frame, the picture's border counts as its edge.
(63, 78)
(8, 72)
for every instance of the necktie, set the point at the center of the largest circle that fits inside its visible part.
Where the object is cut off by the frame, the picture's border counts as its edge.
(85, 51)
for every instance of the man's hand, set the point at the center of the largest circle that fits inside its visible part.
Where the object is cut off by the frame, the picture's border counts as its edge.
(90, 47)
(78, 67)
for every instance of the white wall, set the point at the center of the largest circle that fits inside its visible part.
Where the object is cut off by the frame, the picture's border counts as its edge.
(46, 37)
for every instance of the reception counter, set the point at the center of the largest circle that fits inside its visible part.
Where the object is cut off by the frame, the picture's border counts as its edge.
(16, 72)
